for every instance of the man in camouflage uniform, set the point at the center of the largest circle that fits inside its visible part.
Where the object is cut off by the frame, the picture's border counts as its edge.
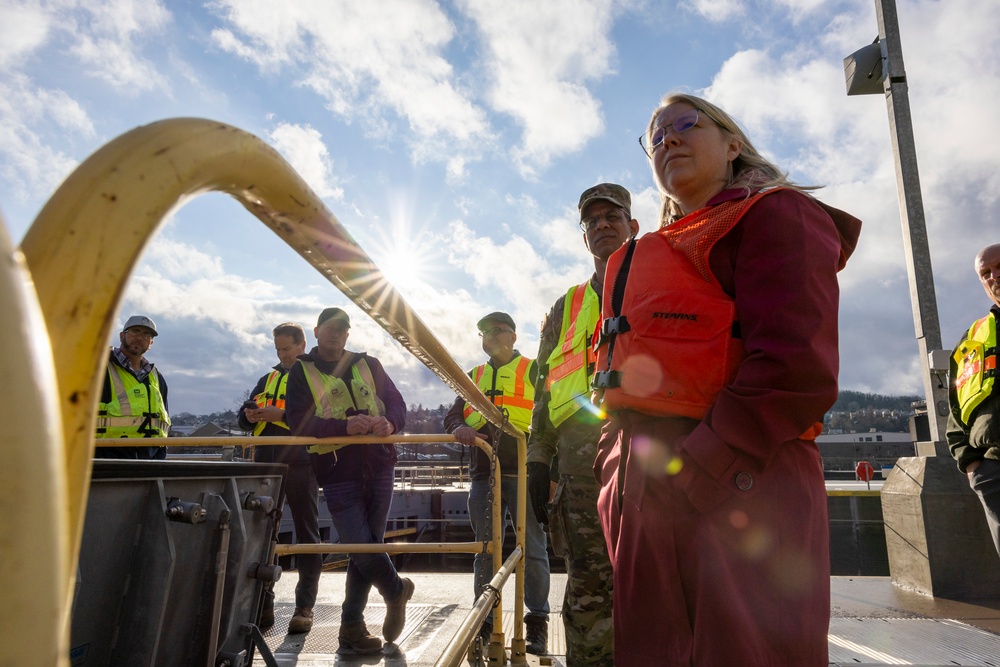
(564, 423)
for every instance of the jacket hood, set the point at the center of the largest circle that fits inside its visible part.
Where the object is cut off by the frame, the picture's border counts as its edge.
(849, 229)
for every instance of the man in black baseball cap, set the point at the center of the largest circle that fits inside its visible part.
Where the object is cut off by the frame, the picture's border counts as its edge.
(508, 379)
(335, 392)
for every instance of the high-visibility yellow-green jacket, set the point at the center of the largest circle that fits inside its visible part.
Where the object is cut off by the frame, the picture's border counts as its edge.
(571, 363)
(135, 410)
(273, 394)
(333, 399)
(976, 362)
(508, 387)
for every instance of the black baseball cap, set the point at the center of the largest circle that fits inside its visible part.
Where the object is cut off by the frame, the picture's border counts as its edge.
(333, 313)
(502, 318)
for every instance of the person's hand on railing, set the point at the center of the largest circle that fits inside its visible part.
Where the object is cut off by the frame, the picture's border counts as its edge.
(538, 490)
(466, 435)
(381, 427)
(359, 424)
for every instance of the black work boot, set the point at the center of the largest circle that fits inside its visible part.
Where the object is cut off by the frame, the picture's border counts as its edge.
(536, 636)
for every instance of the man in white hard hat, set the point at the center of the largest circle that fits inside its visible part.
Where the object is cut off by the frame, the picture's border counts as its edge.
(134, 399)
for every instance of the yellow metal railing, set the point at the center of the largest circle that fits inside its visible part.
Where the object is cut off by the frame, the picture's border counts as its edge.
(61, 291)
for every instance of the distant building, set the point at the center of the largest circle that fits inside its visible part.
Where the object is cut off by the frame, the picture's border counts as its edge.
(211, 430)
(841, 452)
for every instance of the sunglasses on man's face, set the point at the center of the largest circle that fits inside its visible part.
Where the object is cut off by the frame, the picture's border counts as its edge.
(495, 331)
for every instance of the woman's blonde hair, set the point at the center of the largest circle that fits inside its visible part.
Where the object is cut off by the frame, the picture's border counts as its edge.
(750, 170)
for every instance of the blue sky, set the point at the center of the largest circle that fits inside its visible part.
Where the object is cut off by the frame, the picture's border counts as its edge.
(453, 139)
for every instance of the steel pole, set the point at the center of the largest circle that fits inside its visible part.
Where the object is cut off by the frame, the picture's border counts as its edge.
(911, 210)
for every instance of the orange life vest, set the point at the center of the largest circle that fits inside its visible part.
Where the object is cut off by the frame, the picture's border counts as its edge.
(681, 345)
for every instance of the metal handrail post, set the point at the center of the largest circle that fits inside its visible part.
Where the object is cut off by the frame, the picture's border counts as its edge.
(517, 653)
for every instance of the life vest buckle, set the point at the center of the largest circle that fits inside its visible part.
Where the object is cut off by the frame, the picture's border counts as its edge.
(607, 379)
(615, 325)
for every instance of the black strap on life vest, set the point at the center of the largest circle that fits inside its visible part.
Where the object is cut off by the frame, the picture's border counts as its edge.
(618, 324)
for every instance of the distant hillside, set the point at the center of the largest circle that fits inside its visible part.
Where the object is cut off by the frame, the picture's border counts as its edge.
(860, 412)
(855, 400)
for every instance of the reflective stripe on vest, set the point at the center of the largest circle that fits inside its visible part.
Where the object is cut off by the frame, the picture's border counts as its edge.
(976, 361)
(136, 408)
(332, 399)
(273, 394)
(571, 362)
(513, 391)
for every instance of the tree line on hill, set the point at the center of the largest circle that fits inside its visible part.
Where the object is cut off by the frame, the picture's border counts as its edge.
(418, 419)
(861, 412)
(854, 411)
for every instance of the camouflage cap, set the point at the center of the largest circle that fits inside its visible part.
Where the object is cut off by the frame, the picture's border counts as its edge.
(611, 192)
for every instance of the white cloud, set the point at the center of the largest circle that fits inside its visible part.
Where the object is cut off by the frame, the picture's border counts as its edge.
(716, 11)
(372, 62)
(304, 149)
(24, 28)
(109, 35)
(511, 272)
(26, 113)
(541, 56)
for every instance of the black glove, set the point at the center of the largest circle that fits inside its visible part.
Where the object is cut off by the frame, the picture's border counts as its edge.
(538, 490)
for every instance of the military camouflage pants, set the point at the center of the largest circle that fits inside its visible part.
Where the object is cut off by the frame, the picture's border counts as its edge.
(577, 536)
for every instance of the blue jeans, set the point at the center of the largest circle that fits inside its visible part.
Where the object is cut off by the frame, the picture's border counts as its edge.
(536, 558)
(359, 509)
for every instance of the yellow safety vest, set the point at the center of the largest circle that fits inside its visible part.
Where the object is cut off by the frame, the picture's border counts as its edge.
(332, 398)
(136, 409)
(976, 360)
(512, 390)
(571, 363)
(273, 394)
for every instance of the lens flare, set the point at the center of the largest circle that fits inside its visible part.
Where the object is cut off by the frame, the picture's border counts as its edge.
(674, 465)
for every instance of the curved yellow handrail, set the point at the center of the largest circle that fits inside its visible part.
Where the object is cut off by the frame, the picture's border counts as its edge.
(89, 236)
(34, 545)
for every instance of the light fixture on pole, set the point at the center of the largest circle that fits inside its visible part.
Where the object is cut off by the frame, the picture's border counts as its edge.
(863, 70)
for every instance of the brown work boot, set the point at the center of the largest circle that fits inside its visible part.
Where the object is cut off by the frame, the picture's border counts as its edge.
(536, 637)
(355, 638)
(302, 620)
(395, 613)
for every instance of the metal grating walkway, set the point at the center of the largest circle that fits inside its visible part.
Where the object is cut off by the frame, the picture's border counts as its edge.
(873, 623)
(911, 641)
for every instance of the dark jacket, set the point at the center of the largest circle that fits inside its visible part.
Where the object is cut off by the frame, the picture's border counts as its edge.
(980, 438)
(347, 463)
